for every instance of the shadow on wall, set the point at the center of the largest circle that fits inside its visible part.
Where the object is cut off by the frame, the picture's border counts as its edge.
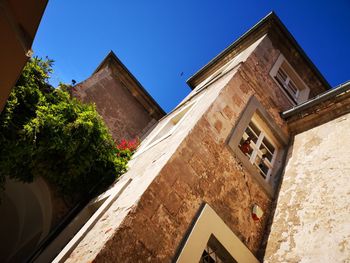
(28, 217)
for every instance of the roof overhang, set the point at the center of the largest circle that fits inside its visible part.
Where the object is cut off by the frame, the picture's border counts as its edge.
(132, 84)
(339, 91)
(271, 25)
(19, 21)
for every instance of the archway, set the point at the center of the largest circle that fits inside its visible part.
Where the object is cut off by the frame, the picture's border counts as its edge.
(26, 214)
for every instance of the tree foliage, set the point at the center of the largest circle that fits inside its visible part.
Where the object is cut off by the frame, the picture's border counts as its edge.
(44, 132)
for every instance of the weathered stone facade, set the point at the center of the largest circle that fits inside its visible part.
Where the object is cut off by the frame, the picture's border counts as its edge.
(188, 160)
(127, 109)
(170, 179)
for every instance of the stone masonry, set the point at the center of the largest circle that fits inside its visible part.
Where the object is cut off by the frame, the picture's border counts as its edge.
(127, 109)
(305, 216)
(194, 165)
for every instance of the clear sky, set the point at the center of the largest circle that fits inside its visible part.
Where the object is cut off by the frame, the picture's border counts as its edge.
(157, 40)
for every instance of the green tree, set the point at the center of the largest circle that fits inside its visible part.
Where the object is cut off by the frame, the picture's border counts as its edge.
(44, 132)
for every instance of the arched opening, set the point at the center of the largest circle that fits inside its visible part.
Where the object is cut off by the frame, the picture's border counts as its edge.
(26, 213)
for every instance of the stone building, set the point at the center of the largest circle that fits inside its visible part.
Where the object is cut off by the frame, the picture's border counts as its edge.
(126, 107)
(36, 212)
(250, 167)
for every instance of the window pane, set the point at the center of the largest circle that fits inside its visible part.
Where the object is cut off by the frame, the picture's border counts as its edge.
(206, 258)
(247, 150)
(292, 87)
(255, 129)
(251, 135)
(262, 166)
(265, 152)
(268, 145)
(264, 169)
(281, 75)
(216, 253)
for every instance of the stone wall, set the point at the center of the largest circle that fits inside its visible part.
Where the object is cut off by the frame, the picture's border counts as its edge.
(311, 223)
(123, 114)
(201, 169)
(194, 164)
(127, 230)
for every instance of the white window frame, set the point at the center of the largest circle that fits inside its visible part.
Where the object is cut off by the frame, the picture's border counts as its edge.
(257, 154)
(216, 254)
(209, 223)
(76, 230)
(173, 120)
(303, 91)
(279, 140)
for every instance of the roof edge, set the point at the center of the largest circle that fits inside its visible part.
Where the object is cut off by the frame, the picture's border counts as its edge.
(113, 56)
(344, 87)
(228, 49)
(269, 18)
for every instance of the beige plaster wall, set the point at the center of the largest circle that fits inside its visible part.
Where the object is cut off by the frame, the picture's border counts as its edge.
(311, 223)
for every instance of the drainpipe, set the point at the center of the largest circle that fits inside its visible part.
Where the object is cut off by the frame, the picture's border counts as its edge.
(345, 87)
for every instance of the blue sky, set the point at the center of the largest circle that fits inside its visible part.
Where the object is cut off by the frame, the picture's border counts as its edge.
(158, 40)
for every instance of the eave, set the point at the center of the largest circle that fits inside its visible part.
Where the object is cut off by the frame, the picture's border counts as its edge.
(132, 84)
(269, 24)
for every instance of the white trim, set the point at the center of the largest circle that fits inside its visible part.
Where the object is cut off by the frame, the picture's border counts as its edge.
(151, 140)
(207, 224)
(274, 133)
(303, 90)
(264, 133)
(115, 192)
(230, 65)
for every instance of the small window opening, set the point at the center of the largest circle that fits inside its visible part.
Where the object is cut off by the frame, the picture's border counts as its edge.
(287, 83)
(214, 252)
(171, 124)
(290, 82)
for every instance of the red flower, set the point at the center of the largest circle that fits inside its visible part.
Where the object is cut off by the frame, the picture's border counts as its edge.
(129, 145)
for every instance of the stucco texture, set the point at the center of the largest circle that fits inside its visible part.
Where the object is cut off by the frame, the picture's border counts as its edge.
(311, 222)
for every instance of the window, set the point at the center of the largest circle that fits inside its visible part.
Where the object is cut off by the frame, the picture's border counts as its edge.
(171, 123)
(210, 240)
(167, 126)
(258, 147)
(259, 144)
(285, 81)
(289, 81)
(214, 252)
